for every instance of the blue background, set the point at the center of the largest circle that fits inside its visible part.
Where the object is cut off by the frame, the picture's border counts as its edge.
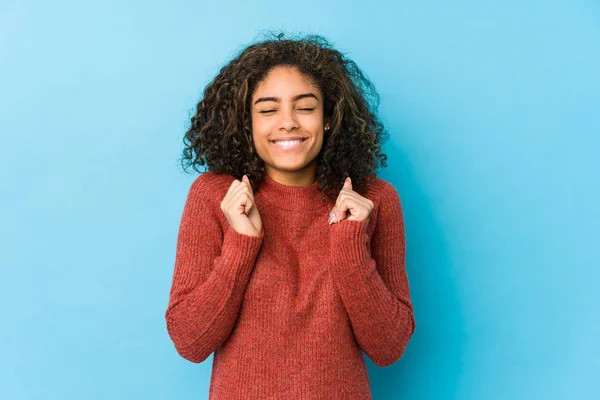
(494, 112)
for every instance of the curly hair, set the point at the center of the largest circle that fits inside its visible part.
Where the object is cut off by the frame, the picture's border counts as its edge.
(220, 135)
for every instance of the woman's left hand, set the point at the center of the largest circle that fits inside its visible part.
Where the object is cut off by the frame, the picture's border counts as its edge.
(349, 201)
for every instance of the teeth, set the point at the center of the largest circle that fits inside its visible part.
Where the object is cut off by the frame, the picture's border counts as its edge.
(288, 141)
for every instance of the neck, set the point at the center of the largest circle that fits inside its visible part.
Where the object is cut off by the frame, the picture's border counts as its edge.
(300, 178)
(292, 197)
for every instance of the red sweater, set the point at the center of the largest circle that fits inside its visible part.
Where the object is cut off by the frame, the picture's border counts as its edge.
(289, 313)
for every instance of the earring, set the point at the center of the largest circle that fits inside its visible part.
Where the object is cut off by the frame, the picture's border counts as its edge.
(327, 128)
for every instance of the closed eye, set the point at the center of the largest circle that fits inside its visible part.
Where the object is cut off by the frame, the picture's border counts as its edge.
(300, 109)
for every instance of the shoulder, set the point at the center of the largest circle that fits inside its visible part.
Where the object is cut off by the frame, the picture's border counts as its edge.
(211, 186)
(385, 198)
(378, 190)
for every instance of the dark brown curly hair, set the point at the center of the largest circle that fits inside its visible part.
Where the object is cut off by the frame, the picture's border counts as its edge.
(220, 135)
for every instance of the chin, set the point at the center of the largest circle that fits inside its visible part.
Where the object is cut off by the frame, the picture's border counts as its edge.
(289, 168)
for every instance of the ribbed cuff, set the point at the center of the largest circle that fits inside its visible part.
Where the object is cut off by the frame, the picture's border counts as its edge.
(239, 253)
(349, 247)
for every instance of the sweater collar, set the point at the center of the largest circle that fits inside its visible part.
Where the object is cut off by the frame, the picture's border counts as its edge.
(298, 198)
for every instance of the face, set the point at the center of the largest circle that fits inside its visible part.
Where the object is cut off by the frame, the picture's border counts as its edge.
(288, 105)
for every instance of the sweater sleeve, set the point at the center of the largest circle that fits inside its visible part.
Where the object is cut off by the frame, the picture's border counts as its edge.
(211, 271)
(374, 287)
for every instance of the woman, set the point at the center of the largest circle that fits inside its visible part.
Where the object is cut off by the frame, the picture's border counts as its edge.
(293, 271)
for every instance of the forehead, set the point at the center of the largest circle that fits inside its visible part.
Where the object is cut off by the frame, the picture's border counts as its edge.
(284, 81)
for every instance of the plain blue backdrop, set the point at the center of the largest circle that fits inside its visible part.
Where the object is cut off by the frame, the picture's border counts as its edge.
(494, 114)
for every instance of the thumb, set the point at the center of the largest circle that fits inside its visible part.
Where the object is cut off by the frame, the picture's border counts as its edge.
(347, 183)
(245, 179)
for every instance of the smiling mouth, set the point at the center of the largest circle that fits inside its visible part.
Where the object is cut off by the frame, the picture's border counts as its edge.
(288, 144)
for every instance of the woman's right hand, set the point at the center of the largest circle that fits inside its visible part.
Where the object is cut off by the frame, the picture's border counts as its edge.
(239, 208)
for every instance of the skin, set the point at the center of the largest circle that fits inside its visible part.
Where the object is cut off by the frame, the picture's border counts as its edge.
(275, 114)
(285, 103)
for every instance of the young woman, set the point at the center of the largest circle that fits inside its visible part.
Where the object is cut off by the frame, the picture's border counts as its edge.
(290, 259)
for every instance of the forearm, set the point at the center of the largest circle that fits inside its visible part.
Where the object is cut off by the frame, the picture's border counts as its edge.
(201, 317)
(382, 319)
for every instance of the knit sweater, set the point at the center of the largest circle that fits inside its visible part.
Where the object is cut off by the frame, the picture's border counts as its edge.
(289, 313)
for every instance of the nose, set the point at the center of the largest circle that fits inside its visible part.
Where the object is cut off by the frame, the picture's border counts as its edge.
(289, 120)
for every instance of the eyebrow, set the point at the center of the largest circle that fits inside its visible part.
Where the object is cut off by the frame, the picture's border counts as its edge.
(277, 99)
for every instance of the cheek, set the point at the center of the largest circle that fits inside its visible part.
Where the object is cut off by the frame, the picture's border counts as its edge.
(261, 126)
(260, 132)
(258, 129)
(314, 123)
(315, 126)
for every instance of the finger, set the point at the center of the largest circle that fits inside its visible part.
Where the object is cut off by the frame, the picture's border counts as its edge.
(233, 185)
(237, 182)
(343, 195)
(227, 198)
(348, 205)
(243, 186)
(347, 184)
(344, 206)
(244, 202)
(332, 217)
(356, 205)
(247, 181)
(347, 187)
